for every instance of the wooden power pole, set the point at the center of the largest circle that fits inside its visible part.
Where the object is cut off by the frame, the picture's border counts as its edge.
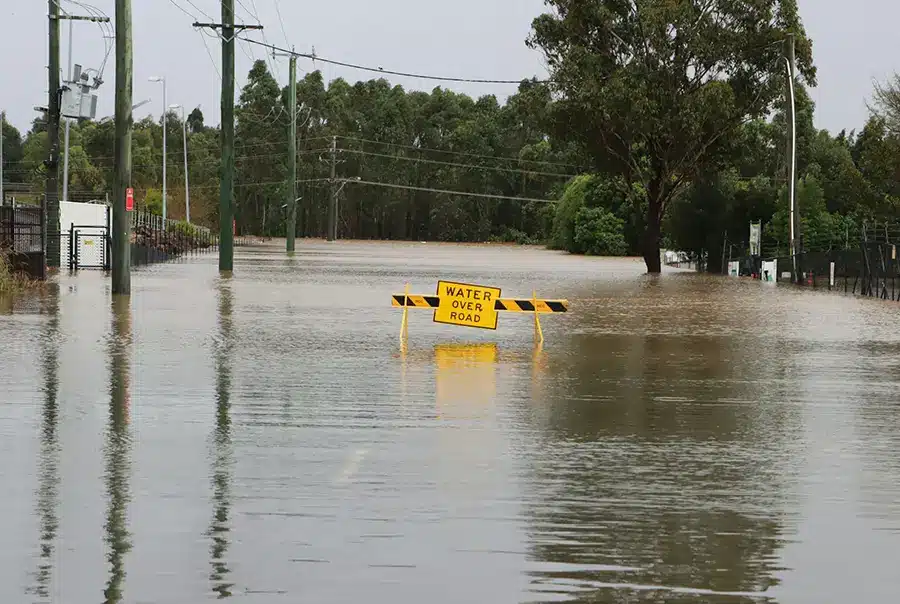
(51, 197)
(121, 219)
(226, 187)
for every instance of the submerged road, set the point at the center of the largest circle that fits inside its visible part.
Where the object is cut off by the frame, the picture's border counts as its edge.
(265, 438)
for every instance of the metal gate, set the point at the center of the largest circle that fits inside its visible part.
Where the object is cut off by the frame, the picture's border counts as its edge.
(89, 247)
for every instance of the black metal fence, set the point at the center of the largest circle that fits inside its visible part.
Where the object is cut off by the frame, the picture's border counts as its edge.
(871, 269)
(20, 229)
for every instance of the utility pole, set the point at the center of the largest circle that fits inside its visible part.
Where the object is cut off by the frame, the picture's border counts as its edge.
(121, 221)
(51, 198)
(69, 81)
(2, 119)
(226, 188)
(65, 194)
(792, 159)
(292, 149)
(332, 208)
(291, 218)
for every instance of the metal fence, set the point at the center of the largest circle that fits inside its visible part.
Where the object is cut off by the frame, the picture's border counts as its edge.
(873, 269)
(20, 229)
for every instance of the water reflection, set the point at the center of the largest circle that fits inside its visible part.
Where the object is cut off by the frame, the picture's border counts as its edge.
(222, 454)
(117, 451)
(47, 492)
(465, 379)
(653, 474)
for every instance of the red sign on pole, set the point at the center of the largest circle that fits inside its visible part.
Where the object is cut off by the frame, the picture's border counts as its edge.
(234, 228)
(129, 199)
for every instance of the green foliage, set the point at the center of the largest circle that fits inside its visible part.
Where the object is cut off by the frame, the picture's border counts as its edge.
(11, 281)
(152, 202)
(598, 232)
(631, 94)
(592, 191)
(185, 229)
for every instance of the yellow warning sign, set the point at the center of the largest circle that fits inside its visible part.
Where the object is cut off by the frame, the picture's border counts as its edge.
(467, 305)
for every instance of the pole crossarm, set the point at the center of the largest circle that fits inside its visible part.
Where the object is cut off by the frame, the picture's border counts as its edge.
(81, 18)
(235, 28)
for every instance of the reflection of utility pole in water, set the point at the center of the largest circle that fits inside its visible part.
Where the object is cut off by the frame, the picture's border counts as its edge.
(48, 491)
(118, 449)
(222, 457)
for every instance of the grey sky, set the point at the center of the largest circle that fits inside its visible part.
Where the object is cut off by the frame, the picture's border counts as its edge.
(853, 43)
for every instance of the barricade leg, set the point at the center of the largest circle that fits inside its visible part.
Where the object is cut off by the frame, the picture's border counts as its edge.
(538, 332)
(404, 326)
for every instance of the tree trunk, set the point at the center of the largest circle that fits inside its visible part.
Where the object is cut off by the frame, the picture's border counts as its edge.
(652, 235)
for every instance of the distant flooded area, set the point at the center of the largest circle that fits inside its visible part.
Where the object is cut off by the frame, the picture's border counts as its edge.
(266, 437)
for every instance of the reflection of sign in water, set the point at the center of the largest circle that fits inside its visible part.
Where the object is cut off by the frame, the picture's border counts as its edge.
(465, 376)
(467, 305)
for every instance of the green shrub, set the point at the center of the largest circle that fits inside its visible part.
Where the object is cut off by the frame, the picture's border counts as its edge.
(183, 228)
(598, 232)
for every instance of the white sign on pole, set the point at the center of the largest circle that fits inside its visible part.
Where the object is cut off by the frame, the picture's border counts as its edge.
(755, 238)
(831, 275)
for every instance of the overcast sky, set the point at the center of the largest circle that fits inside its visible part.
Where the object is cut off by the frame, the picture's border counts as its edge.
(854, 42)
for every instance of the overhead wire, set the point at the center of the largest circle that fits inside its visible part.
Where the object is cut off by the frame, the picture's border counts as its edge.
(458, 165)
(447, 191)
(388, 71)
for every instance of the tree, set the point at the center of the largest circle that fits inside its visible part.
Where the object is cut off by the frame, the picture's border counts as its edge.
(657, 91)
(12, 152)
(886, 103)
(195, 121)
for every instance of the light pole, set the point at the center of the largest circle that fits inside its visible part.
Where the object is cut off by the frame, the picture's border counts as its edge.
(187, 191)
(165, 110)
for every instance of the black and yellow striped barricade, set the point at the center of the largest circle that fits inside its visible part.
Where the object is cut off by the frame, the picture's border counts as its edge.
(476, 306)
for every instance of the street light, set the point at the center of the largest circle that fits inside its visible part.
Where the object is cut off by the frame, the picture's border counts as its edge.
(187, 191)
(165, 110)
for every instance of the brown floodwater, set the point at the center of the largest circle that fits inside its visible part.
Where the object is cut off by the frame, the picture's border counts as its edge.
(266, 438)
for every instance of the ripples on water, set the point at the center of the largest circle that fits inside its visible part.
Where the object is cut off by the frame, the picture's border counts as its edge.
(267, 438)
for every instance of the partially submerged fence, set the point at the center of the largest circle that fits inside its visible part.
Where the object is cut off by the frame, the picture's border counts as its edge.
(872, 269)
(21, 238)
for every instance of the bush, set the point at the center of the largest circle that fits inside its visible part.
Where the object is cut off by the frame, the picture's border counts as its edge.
(598, 232)
(183, 228)
(11, 281)
(591, 191)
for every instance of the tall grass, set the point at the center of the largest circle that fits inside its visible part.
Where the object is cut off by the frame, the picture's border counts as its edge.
(11, 281)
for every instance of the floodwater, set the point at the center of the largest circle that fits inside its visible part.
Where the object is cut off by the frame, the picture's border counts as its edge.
(266, 438)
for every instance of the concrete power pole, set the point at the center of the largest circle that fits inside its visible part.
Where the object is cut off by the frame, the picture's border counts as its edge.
(51, 198)
(792, 159)
(332, 207)
(121, 221)
(292, 160)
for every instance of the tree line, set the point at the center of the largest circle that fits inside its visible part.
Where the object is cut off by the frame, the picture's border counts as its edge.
(663, 124)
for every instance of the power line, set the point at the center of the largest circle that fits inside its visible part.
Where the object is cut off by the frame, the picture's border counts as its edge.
(448, 192)
(281, 21)
(457, 165)
(462, 153)
(388, 71)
